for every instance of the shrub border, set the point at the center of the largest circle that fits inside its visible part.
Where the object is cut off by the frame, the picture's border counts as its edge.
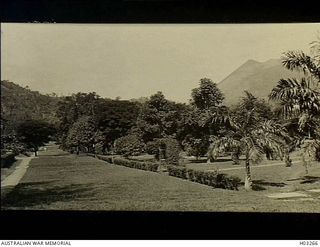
(213, 179)
(141, 165)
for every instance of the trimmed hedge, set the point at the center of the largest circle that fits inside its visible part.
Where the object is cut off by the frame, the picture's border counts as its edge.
(7, 160)
(213, 179)
(105, 158)
(176, 171)
(147, 166)
(142, 165)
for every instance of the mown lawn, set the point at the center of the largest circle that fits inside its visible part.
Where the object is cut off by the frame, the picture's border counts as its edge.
(276, 177)
(60, 181)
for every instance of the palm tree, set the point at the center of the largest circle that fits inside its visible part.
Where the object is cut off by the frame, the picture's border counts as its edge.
(300, 99)
(251, 133)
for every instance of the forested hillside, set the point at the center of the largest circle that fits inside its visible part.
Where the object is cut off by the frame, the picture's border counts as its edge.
(19, 104)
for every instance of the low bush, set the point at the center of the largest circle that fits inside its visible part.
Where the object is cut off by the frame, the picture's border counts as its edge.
(176, 171)
(7, 160)
(152, 147)
(213, 179)
(147, 166)
(142, 165)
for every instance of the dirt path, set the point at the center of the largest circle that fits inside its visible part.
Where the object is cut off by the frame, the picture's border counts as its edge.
(14, 178)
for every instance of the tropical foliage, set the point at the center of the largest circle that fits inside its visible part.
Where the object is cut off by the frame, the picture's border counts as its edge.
(300, 99)
(248, 130)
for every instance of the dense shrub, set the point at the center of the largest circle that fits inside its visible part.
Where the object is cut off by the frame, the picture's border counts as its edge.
(172, 150)
(7, 160)
(195, 146)
(213, 179)
(176, 171)
(152, 147)
(99, 148)
(129, 145)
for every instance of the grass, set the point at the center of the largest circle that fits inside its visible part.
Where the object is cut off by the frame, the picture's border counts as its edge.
(61, 181)
(269, 178)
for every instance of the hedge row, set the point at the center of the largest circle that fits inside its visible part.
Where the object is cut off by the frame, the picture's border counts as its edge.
(147, 166)
(213, 179)
(7, 160)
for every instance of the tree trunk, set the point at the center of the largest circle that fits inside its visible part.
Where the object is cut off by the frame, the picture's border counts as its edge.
(78, 151)
(287, 159)
(248, 181)
(35, 153)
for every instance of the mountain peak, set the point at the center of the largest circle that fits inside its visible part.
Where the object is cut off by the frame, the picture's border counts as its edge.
(251, 61)
(256, 77)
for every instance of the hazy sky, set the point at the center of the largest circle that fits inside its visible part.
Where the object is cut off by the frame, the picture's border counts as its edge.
(131, 60)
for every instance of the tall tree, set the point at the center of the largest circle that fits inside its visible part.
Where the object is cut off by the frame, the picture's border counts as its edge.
(205, 103)
(300, 99)
(251, 133)
(34, 133)
(82, 134)
(158, 118)
(206, 95)
(116, 118)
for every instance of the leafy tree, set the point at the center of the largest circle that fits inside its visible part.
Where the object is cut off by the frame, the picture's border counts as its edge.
(34, 133)
(197, 122)
(158, 118)
(71, 108)
(129, 145)
(251, 133)
(82, 134)
(196, 146)
(116, 118)
(206, 95)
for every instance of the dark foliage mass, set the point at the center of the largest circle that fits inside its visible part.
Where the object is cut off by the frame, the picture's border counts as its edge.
(7, 160)
(34, 133)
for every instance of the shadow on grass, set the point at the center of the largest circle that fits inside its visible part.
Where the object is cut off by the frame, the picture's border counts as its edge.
(258, 185)
(265, 183)
(212, 162)
(255, 187)
(310, 180)
(306, 179)
(32, 194)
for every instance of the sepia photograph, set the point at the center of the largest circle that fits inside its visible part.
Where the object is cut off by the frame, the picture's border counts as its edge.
(160, 117)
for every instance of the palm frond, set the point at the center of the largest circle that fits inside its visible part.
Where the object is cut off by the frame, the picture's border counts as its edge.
(311, 151)
(296, 96)
(298, 60)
